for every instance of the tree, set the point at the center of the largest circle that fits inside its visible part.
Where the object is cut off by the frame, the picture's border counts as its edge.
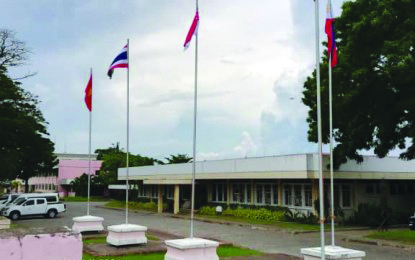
(13, 52)
(373, 83)
(179, 158)
(114, 158)
(25, 149)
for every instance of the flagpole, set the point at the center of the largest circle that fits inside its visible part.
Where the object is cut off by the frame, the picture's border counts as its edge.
(89, 153)
(331, 155)
(128, 130)
(317, 16)
(194, 134)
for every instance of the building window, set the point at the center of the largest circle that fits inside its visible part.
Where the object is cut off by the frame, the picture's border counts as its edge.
(287, 195)
(169, 192)
(266, 194)
(308, 196)
(219, 192)
(241, 193)
(342, 195)
(346, 196)
(297, 195)
(154, 191)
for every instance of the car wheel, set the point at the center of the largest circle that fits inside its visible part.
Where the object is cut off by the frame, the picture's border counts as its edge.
(52, 213)
(15, 215)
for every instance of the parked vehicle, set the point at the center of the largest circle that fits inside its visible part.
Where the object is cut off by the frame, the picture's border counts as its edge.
(32, 206)
(4, 199)
(50, 197)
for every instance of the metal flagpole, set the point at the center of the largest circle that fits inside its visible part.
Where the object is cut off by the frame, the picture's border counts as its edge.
(89, 154)
(317, 16)
(194, 134)
(128, 130)
(331, 156)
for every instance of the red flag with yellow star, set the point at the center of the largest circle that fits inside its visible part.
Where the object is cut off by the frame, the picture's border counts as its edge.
(88, 94)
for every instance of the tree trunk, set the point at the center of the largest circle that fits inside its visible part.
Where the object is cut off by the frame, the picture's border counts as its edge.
(26, 185)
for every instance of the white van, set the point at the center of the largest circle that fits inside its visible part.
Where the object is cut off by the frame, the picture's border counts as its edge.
(50, 197)
(4, 199)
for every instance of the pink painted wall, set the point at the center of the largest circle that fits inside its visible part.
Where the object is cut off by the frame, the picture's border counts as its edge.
(71, 169)
(42, 246)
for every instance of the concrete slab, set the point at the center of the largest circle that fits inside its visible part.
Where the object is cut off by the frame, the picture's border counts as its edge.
(126, 234)
(332, 252)
(87, 223)
(191, 248)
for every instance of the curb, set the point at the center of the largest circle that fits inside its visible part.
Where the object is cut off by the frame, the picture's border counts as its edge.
(379, 243)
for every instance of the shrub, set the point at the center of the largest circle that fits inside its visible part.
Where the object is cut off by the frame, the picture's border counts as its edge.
(210, 211)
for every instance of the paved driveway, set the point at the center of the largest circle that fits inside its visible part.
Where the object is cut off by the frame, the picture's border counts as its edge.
(262, 240)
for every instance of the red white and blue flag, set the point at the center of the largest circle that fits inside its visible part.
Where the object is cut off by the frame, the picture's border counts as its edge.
(192, 31)
(331, 35)
(121, 61)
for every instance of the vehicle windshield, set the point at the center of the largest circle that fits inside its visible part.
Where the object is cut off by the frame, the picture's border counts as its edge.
(4, 197)
(19, 201)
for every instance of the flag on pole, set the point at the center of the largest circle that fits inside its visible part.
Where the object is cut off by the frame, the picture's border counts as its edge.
(120, 61)
(88, 94)
(331, 35)
(192, 31)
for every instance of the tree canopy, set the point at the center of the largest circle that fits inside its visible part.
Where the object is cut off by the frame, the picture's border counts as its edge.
(114, 158)
(373, 83)
(179, 158)
(25, 147)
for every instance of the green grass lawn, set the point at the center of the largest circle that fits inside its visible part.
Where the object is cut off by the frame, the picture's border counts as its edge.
(84, 199)
(284, 225)
(103, 240)
(403, 236)
(223, 252)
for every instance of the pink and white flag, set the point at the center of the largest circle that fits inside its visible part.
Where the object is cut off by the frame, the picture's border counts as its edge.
(192, 31)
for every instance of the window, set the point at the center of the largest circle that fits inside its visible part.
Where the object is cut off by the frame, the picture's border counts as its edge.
(29, 203)
(308, 196)
(297, 195)
(346, 196)
(154, 191)
(287, 195)
(298, 200)
(169, 192)
(219, 192)
(342, 195)
(51, 199)
(241, 193)
(38, 201)
(266, 194)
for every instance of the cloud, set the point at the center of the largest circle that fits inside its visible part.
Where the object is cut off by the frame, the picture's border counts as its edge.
(246, 147)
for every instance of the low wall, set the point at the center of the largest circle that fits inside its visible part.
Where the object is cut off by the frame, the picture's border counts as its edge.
(45, 244)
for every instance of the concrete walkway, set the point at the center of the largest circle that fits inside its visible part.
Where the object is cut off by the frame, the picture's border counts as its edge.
(267, 241)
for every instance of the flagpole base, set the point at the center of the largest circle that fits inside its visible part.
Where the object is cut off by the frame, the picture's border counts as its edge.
(87, 223)
(126, 234)
(191, 248)
(332, 252)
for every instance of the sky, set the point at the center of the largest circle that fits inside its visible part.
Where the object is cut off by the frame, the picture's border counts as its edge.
(253, 58)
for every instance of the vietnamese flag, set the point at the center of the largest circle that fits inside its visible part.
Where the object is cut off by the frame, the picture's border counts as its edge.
(88, 94)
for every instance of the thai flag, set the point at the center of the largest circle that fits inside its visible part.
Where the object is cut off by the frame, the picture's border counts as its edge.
(331, 35)
(121, 61)
(192, 31)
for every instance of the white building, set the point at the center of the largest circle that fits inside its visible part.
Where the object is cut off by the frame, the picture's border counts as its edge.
(289, 180)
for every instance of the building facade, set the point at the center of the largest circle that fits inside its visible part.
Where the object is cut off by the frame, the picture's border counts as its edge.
(70, 166)
(289, 181)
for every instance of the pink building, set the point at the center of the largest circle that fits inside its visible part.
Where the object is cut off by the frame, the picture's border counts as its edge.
(70, 166)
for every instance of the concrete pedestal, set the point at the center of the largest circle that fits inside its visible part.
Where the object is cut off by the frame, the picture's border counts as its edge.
(191, 248)
(4, 223)
(87, 223)
(126, 234)
(332, 252)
